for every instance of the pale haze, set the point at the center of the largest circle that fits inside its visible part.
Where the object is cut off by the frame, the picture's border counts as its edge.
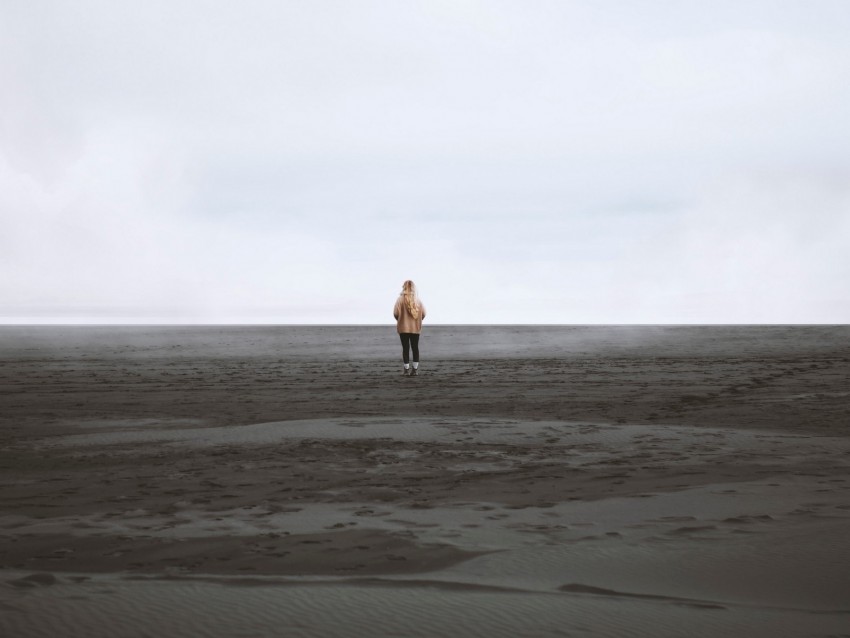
(523, 162)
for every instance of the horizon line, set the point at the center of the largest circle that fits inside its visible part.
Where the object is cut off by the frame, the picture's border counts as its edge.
(58, 324)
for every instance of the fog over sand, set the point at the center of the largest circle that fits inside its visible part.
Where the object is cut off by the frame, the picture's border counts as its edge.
(550, 480)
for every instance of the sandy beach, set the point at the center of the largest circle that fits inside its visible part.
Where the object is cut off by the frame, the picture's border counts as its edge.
(532, 481)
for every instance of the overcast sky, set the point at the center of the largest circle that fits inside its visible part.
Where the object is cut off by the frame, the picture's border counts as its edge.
(523, 161)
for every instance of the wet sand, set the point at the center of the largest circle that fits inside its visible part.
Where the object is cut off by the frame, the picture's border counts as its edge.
(606, 481)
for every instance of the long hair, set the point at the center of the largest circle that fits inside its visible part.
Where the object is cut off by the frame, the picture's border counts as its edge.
(411, 299)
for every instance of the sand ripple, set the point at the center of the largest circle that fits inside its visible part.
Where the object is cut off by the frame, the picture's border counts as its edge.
(109, 608)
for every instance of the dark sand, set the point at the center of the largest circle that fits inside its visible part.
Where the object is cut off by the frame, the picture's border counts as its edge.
(605, 481)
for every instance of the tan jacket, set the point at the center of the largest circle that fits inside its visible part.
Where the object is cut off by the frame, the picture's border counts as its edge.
(406, 322)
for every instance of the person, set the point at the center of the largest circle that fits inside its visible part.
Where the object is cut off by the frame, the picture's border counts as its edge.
(409, 312)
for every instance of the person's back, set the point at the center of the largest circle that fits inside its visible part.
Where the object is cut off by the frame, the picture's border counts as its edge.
(409, 311)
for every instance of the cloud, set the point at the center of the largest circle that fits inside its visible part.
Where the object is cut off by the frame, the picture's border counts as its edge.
(296, 161)
(765, 248)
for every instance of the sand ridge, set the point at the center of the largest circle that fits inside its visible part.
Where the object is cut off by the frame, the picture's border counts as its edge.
(302, 497)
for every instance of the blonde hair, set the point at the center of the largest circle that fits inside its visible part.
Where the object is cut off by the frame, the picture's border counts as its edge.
(411, 299)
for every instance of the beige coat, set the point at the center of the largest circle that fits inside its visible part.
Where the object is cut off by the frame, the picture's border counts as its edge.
(406, 322)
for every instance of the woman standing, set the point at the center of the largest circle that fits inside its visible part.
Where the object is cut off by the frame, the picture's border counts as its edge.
(409, 311)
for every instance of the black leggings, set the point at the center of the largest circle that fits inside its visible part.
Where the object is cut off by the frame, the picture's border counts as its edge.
(409, 339)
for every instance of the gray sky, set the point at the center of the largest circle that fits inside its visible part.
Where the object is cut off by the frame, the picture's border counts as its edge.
(524, 162)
